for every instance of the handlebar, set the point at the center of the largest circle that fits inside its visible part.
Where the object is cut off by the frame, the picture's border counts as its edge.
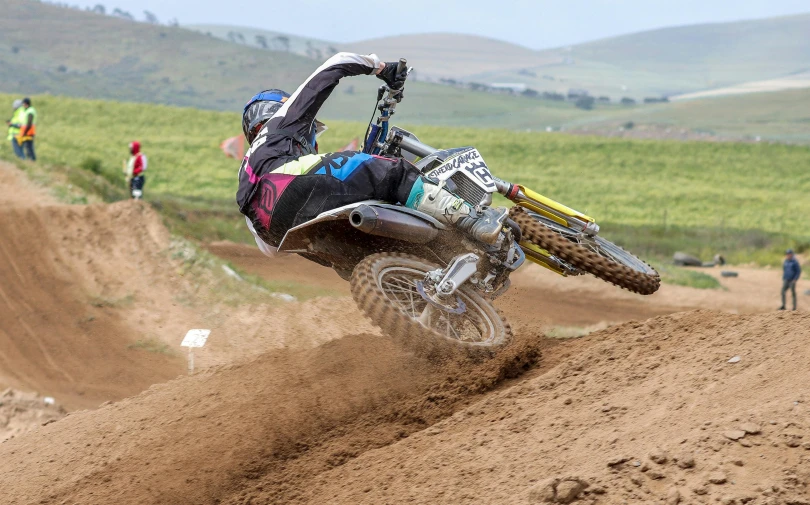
(376, 134)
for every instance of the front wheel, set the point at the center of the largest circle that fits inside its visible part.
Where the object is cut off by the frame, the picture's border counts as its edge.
(594, 255)
(386, 287)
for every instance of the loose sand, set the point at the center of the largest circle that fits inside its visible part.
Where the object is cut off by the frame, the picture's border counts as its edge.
(307, 403)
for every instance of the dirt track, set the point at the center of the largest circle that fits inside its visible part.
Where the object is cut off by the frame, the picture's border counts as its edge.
(539, 297)
(359, 421)
(307, 403)
(530, 303)
(60, 275)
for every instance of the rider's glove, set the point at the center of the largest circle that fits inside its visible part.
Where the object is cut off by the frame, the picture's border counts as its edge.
(391, 77)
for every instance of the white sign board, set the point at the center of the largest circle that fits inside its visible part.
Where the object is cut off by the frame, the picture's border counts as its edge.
(195, 338)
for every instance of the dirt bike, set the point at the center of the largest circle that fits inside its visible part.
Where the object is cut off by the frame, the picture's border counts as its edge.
(425, 282)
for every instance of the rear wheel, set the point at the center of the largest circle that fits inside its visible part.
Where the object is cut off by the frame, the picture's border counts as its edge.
(592, 254)
(386, 287)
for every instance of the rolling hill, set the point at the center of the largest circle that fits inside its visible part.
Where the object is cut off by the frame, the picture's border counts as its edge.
(793, 81)
(675, 60)
(720, 51)
(778, 115)
(448, 55)
(270, 40)
(83, 54)
(77, 53)
(668, 61)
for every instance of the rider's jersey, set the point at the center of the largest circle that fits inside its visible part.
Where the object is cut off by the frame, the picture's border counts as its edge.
(278, 154)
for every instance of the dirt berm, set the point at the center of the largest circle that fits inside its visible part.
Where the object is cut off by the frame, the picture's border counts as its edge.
(64, 271)
(645, 412)
(95, 299)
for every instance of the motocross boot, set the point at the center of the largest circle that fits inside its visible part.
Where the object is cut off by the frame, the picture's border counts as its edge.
(446, 207)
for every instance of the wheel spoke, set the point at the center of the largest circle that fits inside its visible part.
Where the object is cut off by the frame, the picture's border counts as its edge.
(400, 287)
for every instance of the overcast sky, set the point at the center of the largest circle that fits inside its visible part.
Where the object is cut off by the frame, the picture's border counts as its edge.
(536, 24)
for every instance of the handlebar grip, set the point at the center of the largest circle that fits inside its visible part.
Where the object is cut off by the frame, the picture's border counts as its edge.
(402, 65)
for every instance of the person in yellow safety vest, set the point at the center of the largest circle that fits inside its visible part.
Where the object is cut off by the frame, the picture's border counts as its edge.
(28, 129)
(14, 127)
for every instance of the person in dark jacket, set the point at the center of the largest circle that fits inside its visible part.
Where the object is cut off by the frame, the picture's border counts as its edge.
(284, 181)
(791, 271)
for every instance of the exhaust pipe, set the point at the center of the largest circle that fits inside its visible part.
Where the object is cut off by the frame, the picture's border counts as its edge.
(392, 224)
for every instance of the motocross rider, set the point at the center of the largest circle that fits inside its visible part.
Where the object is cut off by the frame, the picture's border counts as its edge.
(284, 181)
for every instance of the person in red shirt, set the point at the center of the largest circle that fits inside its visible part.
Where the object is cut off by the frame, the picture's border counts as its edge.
(135, 170)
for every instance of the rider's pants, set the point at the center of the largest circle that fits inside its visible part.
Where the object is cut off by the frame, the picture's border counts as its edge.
(136, 186)
(284, 199)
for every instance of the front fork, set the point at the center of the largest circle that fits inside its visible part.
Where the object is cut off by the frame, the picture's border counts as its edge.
(554, 211)
(548, 208)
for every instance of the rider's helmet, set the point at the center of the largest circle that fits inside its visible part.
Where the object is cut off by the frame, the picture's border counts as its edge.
(134, 147)
(259, 109)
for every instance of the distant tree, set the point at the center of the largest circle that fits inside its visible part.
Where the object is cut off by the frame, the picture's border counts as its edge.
(477, 86)
(313, 52)
(531, 93)
(236, 37)
(574, 94)
(349, 90)
(628, 101)
(629, 125)
(123, 14)
(173, 22)
(550, 95)
(261, 41)
(99, 9)
(604, 99)
(283, 42)
(653, 99)
(150, 18)
(585, 102)
(332, 50)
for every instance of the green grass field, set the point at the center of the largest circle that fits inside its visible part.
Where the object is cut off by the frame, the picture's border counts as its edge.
(652, 195)
(779, 115)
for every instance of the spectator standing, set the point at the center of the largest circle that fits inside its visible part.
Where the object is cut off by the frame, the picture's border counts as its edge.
(135, 168)
(28, 129)
(14, 127)
(791, 271)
